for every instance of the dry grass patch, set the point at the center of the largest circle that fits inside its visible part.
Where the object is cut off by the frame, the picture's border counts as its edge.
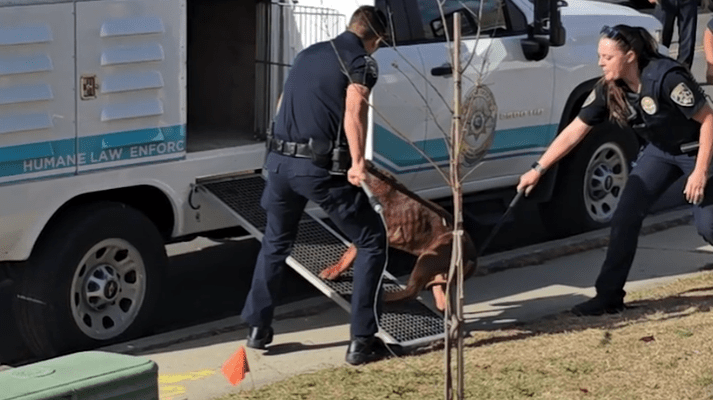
(661, 349)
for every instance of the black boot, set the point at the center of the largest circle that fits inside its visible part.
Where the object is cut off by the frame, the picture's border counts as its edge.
(361, 350)
(259, 337)
(599, 305)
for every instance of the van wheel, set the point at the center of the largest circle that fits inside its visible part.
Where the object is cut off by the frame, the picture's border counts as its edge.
(93, 279)
(591, 181)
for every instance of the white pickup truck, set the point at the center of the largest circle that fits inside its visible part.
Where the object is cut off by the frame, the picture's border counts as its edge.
(114, 112)
(527, 100)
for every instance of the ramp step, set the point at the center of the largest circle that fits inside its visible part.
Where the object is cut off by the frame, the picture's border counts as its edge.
(242, 195)
(318, 246)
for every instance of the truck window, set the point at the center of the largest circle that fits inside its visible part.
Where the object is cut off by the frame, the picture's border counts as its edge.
(497, 18)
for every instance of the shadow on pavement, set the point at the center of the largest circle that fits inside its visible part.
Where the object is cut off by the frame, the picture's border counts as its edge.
(291, 347)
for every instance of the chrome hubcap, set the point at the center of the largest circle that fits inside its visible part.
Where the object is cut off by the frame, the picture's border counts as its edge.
(606, 176)
(108, 289)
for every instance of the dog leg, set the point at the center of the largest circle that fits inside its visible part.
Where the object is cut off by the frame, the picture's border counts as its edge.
(439, 283)
(439, 296)
(438, 287)
(344, 263)
(428, 264)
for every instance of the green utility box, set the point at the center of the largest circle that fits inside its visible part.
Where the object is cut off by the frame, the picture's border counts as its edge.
(90, 375)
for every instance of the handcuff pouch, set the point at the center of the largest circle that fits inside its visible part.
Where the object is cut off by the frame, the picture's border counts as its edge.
(321, 152)
(341, 160)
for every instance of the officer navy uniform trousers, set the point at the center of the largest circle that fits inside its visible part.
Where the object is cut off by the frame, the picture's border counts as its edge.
(653, 173)
(290, 184)
(686, 12)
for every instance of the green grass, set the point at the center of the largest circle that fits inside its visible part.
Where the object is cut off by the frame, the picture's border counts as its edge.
(661, 349)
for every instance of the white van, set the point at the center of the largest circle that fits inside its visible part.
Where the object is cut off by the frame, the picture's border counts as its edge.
(114, 112)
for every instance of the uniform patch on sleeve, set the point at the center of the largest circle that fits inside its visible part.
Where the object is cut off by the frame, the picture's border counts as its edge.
(682, 95)
(590, 99)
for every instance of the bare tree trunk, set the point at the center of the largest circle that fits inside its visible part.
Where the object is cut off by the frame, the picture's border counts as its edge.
(454, 323)
(458, 200)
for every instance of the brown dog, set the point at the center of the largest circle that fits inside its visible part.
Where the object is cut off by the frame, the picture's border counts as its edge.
(418, 227)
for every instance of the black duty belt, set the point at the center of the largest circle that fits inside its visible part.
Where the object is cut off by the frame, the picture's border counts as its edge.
(290, 149)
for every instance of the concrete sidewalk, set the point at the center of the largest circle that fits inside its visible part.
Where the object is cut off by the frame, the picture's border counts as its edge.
(313, 334)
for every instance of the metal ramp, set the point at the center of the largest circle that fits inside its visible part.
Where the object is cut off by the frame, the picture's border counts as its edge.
(406, 324)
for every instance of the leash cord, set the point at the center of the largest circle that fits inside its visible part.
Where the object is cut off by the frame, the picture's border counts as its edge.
(500, 222)
(376, 205)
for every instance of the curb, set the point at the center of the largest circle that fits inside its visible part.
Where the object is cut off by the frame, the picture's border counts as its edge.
(517, 258)
(296, 309)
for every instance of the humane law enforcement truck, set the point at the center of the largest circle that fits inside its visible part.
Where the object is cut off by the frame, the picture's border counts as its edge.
(129, 124)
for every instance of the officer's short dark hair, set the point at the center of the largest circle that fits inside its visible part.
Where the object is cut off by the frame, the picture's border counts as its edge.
(368, 22)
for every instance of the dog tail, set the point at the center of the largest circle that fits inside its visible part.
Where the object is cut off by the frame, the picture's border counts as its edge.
(410, 292)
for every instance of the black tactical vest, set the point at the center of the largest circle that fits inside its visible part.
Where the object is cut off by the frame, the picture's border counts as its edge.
(659, 120)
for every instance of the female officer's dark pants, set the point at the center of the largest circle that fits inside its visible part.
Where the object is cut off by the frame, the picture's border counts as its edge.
(284, 199)
(654, 172)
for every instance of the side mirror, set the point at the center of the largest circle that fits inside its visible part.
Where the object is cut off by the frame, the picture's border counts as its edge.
(558, 34)
(535, 48)
(548, 21)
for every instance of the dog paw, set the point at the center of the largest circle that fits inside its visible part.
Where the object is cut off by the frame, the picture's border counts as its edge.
(329, 274)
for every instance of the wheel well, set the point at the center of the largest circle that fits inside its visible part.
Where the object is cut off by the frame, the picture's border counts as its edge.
(150, 200)
(544, 191)
(574, 103)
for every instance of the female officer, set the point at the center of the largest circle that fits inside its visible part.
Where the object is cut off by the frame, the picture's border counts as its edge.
(664, 105)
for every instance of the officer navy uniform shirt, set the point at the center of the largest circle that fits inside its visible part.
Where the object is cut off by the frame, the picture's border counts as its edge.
(313, 100)
(662, 111)
(314, 96)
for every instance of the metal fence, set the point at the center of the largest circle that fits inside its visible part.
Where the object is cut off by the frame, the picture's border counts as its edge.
(283, 30)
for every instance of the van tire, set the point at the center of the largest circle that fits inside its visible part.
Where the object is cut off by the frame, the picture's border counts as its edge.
(93, 279)
(590, 181)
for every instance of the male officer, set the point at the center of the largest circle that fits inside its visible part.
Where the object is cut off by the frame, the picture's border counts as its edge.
(686, 13)
(324, 100)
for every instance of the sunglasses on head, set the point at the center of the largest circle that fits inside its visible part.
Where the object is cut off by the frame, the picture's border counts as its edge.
(613, 33)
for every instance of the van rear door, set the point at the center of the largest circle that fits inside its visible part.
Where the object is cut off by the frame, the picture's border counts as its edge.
(37, 111)
(131, 71)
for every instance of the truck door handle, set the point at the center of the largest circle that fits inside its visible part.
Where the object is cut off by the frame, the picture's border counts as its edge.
(443, 70)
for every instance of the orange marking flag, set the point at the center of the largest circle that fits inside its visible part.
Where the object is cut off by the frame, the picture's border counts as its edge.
(236, 367)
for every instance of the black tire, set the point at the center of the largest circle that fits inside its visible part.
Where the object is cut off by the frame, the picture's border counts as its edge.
(94, 278)
(590, 181)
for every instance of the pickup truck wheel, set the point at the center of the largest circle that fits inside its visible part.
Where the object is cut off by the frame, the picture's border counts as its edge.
(92, 279)
(590, 181)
